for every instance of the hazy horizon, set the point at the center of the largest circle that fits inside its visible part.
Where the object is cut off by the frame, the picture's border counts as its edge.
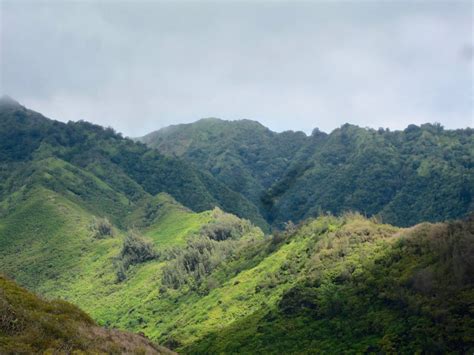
(308, 133)
(142, 66)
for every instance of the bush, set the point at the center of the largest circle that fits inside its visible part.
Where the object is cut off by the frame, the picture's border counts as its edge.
(102, 228)
(200, 257)
(215, 243)
(225, 226)
(135, 250)
(298, 300)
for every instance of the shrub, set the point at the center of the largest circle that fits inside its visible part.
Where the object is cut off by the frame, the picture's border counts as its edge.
(198, 259)
(423, 281)
(215, 243)
(135, 250)
(101, 228)
(225, 226)
(298, 300)
(10, 321)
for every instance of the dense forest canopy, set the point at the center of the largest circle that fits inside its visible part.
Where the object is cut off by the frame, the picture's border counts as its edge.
(423, 173)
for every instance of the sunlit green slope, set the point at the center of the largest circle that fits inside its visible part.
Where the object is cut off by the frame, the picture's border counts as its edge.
(348, 285)
(51, 241)
(210, 282)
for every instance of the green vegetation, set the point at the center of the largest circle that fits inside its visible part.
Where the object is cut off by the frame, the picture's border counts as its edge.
(102, 228)
(49, 243)
(88, 155)
(146, 243)
(404, 177)
(361, 288)
(135, 250)
(216, 242)
(329, 285)
(169, 223)
(29, 325)
(244, 155)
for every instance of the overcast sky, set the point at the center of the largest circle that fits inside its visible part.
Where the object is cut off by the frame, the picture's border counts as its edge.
(139, 66)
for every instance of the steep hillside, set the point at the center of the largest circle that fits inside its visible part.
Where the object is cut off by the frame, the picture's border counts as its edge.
(211, 283)
(29, 325)
(246, 156)
(53, 242)
(99, 221)
(349, 286)
(420, 174)
(405, 177)
(131, 168)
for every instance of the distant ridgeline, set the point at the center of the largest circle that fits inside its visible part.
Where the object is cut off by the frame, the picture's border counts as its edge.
(145, 241)
(405, 177)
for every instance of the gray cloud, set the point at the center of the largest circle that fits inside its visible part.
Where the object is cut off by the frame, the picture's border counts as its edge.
(139, 66)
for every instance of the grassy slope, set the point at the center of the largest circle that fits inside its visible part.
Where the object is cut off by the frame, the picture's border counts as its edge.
(136, 304)
(46, 244)
(368, 288)
(262, 299)
(329, 279)
(253, 293)
(174, 223)
(42, 241)
(75, 184)
(29, 324)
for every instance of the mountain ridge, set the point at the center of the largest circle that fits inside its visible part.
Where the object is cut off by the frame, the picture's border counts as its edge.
(27, 135)
(298, 169)
(30, 324)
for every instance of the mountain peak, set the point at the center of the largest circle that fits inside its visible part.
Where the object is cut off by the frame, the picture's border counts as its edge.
(210, 119)
(7, 101)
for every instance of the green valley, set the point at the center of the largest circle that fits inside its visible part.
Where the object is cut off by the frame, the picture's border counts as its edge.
(202, 264)
(236, 177)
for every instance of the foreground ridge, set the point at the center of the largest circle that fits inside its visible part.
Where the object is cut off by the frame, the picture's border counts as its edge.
(29, 324)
